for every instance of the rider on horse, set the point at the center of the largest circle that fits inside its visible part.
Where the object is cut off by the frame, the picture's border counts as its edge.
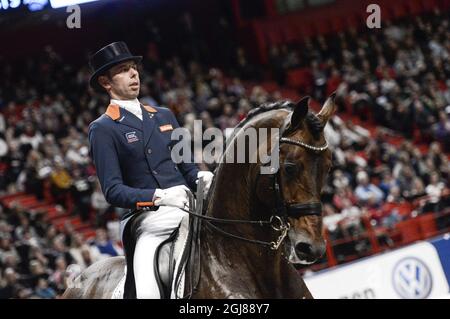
(131, 148)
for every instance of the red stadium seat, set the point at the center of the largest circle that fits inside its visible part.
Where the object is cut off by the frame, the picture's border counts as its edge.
(273, 35)
(305, 29)
(414, 7)
(446, 5)
(269, 86)
(337, 24)
(323, 26)
(429, 5)
(290, 34)
(399, 10)
(299, 78)
(355, 20)
(386, 13)
(409, 231)
(427, 225)
(404, 209)
(6, 197)
(88, 233)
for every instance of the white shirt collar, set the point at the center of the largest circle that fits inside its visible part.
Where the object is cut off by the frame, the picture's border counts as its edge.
(132, 106)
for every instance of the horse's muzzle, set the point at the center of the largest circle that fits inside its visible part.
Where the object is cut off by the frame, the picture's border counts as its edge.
(305, 251)
(309, 252)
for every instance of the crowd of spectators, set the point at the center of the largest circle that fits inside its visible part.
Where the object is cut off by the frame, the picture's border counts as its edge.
(398, 74)
(44, 151)
(375, 180)
(46, 107)
(397, 78)
(34, 255)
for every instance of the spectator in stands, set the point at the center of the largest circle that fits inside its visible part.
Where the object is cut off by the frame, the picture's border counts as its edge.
(100, 205)
(331, 222)
(396, 78)
(434, 191)
(340, 180)
(43, 290)
(7, 249)
(61, 183)
(394, 195)
(8, 287)
(244, 68)
(37, 271)
(342, 194)
(81, 190)
(351, 219)
(50, 235)
(86, 256)
(104, 244)
(417, 189)
(276, 64)
(59, 249)
(406, 180)
(57, 278)
(37, 253)
(441, 130)
(79, 248)
(228, 118)
(366, 192)
(387, 183)
(30, 136)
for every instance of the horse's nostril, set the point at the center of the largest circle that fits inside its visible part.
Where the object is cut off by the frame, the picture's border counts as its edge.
(304, 249)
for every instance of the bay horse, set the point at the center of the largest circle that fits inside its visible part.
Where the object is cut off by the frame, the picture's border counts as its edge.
(254, 259)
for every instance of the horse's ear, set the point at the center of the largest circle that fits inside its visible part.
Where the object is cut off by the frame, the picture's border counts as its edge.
(300, 111)
(328, 109)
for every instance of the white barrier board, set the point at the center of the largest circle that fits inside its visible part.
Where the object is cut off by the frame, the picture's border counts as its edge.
(411, 272)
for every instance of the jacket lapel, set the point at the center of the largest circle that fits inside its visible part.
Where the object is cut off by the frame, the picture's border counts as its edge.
(149, 122)
(130, 119)
(122, 116)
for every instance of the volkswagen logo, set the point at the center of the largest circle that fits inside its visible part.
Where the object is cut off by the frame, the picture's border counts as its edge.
(412, 279)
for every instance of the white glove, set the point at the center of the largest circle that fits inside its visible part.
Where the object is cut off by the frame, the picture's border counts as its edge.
(207, 178)
(176, 196)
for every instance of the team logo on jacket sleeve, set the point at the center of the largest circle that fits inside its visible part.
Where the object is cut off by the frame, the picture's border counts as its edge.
(167, 127)
(131, 137)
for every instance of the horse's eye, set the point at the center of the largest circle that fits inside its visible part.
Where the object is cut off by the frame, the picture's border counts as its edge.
(291, 169)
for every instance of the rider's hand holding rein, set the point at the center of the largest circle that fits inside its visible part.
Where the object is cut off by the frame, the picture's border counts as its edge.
(207, 178)
(176, 196)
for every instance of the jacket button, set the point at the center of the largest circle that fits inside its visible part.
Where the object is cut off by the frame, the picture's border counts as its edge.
(149, 151)
(176, 168)
(155, 172)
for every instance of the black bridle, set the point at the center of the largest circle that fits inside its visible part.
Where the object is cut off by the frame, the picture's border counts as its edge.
(295, 210)
(281, 211)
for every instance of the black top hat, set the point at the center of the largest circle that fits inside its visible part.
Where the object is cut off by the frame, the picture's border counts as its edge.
(107, 57)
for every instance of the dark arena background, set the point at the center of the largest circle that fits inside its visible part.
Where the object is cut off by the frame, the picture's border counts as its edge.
(385, 204)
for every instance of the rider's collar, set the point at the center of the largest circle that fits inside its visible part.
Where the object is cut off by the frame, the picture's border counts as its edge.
(113, 111)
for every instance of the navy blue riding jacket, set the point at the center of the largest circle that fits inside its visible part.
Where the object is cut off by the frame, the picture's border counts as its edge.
(132, 157)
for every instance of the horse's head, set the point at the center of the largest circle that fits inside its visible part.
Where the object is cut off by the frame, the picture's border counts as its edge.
(304, 162)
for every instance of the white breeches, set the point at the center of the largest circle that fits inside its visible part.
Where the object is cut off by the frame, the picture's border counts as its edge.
(154, 229)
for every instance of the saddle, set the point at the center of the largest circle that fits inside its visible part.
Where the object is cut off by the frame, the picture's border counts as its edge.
(177, 259)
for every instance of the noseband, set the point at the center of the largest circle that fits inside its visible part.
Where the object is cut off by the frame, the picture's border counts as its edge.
(282, 210)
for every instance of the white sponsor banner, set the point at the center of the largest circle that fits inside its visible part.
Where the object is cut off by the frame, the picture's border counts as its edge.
(413, 272)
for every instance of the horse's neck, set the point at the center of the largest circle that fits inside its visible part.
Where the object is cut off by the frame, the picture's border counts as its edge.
(231, 267)
(234, 269)
(226, 256)
(231, 194)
